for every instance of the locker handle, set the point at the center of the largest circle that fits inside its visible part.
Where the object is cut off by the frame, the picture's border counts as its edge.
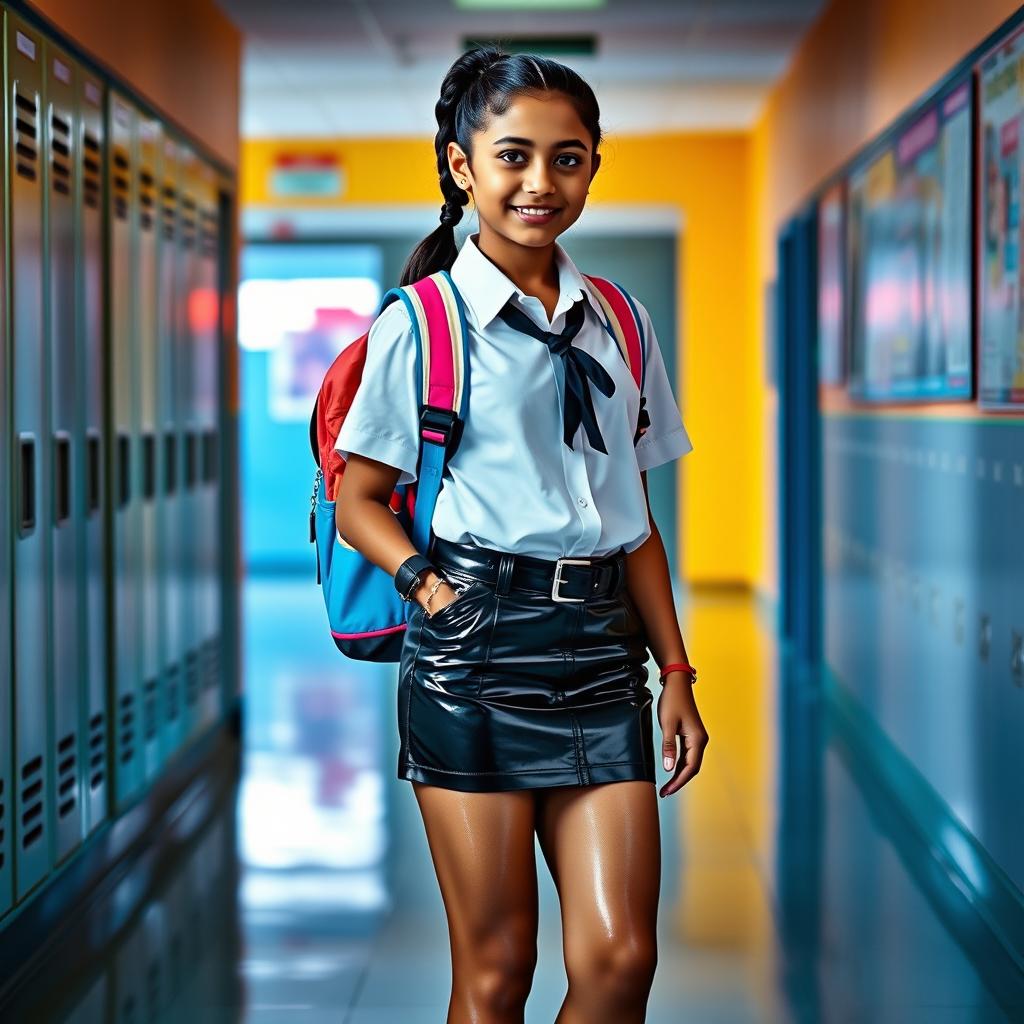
(61, 477)
(191, 458)
(124, 491)
(170, 463)
(148, 466)
(27, 483)
(210, 457)
(93, 466)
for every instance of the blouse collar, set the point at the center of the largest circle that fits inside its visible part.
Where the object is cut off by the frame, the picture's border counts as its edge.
(485, 288)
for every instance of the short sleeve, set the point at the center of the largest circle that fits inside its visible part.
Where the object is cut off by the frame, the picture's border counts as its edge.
(666, 438)
(383, 421)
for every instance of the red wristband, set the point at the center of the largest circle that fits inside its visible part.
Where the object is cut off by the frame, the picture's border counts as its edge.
(678, 667)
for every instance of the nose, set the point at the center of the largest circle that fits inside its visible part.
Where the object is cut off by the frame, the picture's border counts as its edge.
(538, 179)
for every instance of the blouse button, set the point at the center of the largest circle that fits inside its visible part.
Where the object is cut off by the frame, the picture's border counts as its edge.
(582, 501)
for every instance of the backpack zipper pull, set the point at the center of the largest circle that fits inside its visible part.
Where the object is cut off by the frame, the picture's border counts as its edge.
(312, 511)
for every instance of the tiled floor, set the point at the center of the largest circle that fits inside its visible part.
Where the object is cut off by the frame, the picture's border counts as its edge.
(790, 890)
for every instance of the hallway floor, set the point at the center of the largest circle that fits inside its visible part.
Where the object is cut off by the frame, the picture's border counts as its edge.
(790, 890)
(782, 897)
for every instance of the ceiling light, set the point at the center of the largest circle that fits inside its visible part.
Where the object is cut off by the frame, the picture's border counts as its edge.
(529, 5)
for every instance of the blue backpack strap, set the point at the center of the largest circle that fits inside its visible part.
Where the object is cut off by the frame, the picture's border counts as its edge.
(438, 318)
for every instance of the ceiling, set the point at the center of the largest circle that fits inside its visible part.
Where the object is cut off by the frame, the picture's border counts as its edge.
(374, 67)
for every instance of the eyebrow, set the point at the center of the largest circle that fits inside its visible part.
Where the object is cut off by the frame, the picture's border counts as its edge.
(576, 143)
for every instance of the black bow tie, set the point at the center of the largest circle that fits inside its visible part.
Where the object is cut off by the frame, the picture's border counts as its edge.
(577, 367)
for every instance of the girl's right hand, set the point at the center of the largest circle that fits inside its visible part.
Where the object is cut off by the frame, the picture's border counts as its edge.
(443, 596)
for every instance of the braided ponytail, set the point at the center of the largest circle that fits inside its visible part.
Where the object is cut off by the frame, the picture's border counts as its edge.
(438, 250)
(482, 82)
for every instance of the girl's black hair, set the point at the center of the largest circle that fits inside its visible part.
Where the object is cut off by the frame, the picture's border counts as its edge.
(483, 82)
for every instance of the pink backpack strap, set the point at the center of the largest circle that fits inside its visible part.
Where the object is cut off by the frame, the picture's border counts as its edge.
(623, 323)
(440, 323)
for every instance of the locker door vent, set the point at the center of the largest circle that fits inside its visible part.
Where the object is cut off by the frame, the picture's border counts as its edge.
(188, 221)
(32, 799)
(149, 709)
(60, 154)
(3, 825)
(97, 750)
(127, 732)
(173, 703)
(208, 233)
(168, 206)
(191, 678)
(121, 185)
(91, 171)
(147, 198)
(67, 775)
(26, 136)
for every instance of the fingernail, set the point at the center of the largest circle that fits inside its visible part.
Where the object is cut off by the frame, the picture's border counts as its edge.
(668, 764)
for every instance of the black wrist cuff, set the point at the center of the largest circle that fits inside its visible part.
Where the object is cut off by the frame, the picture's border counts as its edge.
(410, 574)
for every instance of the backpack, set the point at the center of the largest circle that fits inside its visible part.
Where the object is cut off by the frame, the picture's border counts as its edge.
(367, 617)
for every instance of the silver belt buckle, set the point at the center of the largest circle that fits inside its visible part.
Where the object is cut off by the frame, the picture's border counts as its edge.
(558, 581)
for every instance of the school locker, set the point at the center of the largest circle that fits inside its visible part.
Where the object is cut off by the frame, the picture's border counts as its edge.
(205, 317)
(63, 518)
(32, 779)
(91, 398)
(227, 498)
(6, 737)
(191, 524)
(170, 595)
(124, 453)
(146, 155)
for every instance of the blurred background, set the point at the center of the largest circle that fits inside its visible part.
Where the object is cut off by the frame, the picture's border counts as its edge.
(819, 202)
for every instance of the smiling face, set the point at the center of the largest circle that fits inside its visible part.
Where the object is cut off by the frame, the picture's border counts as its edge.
(537, 154)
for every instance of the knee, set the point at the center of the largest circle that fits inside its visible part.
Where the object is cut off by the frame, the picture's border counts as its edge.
(499, 974)
(620, 970)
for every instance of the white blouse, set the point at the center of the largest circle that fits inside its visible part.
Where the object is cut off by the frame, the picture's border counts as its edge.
(513, 484)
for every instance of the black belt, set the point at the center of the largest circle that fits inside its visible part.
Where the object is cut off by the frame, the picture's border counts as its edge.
(564, 579)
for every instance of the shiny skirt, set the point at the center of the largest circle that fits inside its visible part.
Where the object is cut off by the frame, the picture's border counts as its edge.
(508, 687)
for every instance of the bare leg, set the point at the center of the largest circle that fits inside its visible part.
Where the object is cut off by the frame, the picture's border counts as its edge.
(483, 851)
(603, 846)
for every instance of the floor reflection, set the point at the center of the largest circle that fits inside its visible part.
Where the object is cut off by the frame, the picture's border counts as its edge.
(791, 891)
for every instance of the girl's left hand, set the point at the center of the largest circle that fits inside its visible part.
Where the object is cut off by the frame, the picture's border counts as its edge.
(678, 715)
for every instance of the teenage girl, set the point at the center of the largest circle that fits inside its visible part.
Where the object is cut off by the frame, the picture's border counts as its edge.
(522, 703)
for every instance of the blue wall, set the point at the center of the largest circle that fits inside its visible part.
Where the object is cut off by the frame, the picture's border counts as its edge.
(924, 602)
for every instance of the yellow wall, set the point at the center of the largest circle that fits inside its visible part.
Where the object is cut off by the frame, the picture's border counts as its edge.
(708, 176)
(861, 64)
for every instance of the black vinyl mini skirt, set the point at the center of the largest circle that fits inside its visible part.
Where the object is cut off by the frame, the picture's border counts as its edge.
(507, 687)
